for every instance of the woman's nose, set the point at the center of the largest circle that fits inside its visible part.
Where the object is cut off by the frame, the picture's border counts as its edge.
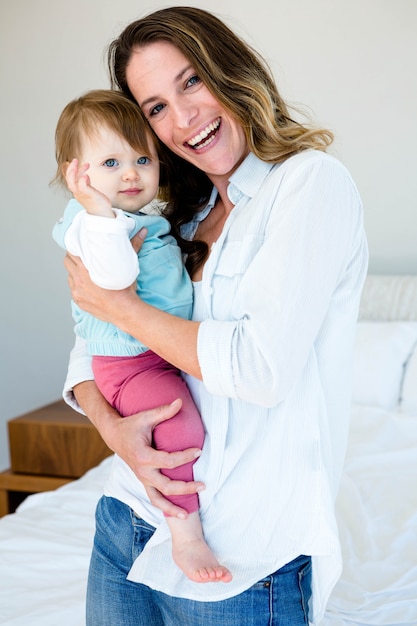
(184, 114)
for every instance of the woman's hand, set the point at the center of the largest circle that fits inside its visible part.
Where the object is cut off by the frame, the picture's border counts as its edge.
(132, 436)
(105, 304)
(131, 439)
(172, 338)
(89, 297)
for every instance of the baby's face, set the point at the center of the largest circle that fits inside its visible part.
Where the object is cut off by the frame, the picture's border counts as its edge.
(129, 179)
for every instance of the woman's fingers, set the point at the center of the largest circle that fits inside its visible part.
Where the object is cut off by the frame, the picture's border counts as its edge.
(172, 488)
(76, 270)
(138, 239)
(162, 413)
(131, 438)
(149, 462)
(165, 505)
(144, 424)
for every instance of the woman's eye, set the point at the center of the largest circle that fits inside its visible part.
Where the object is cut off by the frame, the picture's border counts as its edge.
(155, 110)
(143, 160)
(193, 80)
(110, 163)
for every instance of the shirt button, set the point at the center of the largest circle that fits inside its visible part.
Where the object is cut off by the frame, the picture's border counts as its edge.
(234, 194)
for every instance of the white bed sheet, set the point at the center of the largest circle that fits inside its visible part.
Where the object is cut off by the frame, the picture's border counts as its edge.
(45, 547)
(45, 551)
(377, 514)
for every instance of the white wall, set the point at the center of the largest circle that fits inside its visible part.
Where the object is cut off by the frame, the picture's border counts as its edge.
(353, 63)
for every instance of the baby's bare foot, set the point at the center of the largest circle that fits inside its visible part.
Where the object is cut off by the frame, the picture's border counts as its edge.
(198, 562)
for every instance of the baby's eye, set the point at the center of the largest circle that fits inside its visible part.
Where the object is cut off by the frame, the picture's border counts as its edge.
(143, 160)
(111, 163)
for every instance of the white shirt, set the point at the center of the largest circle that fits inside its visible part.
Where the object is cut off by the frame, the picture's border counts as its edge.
(279, 299)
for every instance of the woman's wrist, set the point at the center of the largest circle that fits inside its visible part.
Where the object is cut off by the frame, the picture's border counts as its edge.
(100, 413)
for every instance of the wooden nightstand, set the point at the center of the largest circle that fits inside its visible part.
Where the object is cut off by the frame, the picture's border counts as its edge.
(49, 447)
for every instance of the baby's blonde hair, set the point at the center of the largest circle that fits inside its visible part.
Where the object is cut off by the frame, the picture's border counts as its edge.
(101, 107)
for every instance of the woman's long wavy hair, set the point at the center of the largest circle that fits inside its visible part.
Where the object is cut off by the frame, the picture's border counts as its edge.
(239, 78)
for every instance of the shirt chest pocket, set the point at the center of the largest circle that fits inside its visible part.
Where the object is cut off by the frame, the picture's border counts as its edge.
(235, 256)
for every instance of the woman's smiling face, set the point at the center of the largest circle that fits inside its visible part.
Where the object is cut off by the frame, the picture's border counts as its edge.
(183, 113)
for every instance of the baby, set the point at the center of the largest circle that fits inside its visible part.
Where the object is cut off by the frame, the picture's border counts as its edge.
(108, 160)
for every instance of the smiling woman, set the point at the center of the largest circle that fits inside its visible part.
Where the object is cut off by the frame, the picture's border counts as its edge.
(183, 112)
(267, 354)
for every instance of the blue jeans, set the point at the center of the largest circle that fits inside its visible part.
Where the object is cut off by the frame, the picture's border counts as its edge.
(278, 600)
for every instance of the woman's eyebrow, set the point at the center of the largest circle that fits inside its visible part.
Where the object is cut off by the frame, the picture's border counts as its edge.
(177, 79)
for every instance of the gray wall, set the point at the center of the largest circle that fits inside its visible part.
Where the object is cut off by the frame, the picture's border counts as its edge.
(353, 63)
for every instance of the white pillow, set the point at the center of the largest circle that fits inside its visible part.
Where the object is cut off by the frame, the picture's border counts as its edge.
(409, 390)
(381, 352)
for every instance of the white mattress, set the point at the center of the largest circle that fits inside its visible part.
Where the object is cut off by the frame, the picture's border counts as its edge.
(44, 554)
(377, 515)
(45, 546)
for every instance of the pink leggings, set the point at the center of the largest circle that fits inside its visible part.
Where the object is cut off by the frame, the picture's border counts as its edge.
(138, 383)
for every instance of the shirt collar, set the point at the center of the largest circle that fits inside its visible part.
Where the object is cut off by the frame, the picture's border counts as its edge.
(245, 181)
(248, 178)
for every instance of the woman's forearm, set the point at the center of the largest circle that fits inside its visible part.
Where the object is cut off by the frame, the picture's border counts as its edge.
(172, 338)
(97, 409)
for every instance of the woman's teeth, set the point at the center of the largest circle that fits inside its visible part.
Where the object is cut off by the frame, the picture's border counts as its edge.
(205, 137)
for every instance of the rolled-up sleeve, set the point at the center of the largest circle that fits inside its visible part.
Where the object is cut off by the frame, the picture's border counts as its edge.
(286, 282)
(79, 371)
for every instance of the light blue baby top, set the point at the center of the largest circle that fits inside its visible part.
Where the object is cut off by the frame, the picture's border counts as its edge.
(162, 282)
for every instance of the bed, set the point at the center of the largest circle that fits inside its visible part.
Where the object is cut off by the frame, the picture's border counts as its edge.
(45, 545)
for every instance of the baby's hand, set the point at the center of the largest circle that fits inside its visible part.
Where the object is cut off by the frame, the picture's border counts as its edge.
(92, 200)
